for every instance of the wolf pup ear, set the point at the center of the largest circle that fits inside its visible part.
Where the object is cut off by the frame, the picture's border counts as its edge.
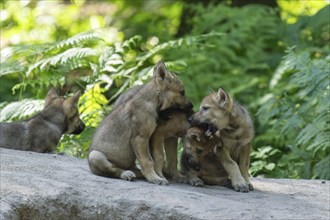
(194, 137)
(224, 99)
(194, 134)
(71, 102)
(52, 94)
(161, 74)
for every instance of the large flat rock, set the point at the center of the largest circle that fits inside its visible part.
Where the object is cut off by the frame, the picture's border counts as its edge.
(45, 186)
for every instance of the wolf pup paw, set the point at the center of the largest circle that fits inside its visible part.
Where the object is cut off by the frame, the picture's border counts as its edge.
(250, 186)
(160, 181)
(127, 175)
(196, 182)
(179, 178)
(241, 188)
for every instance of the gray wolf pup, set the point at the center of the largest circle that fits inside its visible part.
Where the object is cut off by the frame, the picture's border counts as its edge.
(199, 162)
(42, 132)
(123, 136)
(165, 137)
(172, 123)
(236, 135)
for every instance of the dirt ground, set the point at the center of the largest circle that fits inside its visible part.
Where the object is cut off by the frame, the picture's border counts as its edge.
(45, 186)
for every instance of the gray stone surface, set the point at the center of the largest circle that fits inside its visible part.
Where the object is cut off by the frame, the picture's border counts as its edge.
(45, 186)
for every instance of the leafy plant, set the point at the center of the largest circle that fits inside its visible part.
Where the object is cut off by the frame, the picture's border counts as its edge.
(300, 113)
(88, 62)
(242, 60)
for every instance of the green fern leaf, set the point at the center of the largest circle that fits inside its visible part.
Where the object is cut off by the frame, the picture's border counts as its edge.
(11, 67)
(21, 109)
(62, 58)
(321, 169)
(78, 39)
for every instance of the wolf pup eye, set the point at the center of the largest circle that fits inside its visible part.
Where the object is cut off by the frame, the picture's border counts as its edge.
(199, 151)
(204, 108)
(182, 93)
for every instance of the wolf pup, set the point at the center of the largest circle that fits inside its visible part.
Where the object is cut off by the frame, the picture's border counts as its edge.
(198, 142)
(42, 132)
(123, 136)
(172, 123)
(236, 134)
(199, 162)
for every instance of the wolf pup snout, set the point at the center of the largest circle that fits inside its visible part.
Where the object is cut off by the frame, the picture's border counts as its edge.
(189, 106)
(80, 128)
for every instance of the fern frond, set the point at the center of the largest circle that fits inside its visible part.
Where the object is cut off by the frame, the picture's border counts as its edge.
(321, 169)
(20, 110)
(30, 50)
(131, 43)
(78, 40)
(52, 79)
(185, 41)
(62, 58)
(11, 67)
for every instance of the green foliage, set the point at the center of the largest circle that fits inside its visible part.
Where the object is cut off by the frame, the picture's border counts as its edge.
(19, 110)
(292, 10)
(92, 104)
(87, 61)
(242, 60)
(299, 112)
(148, 18)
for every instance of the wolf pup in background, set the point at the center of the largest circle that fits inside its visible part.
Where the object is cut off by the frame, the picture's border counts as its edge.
(236, 134)
(123, 136)
(42, 132)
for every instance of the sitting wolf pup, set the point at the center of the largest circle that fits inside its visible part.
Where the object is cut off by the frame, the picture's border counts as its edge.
(172, 123)
(42, 132)
(123, 136)
(236, 134)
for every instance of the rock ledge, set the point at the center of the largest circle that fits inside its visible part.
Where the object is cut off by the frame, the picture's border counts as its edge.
(45, 186)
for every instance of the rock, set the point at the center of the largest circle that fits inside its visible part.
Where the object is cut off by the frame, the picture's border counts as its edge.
(46, 186)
